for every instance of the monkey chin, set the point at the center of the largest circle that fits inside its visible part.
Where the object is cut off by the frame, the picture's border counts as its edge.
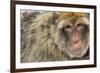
(75, 53)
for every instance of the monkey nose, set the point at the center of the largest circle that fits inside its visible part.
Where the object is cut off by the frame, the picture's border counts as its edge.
(75, 42)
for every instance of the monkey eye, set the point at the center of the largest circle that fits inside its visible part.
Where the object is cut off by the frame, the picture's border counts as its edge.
(68, 27)
(80, 26)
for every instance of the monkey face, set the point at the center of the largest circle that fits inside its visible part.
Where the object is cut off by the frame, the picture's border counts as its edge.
(73, 36)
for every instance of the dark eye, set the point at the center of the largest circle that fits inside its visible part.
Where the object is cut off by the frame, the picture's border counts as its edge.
(68, 28)
(80, 26)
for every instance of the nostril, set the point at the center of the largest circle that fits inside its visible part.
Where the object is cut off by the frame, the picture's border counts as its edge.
(75, 41)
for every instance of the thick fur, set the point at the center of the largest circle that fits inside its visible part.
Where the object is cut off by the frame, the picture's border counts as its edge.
(38, 39)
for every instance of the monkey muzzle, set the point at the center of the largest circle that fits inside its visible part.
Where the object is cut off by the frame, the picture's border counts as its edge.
(75, 47)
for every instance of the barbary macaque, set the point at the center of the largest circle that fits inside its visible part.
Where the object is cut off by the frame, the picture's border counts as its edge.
(56, 36)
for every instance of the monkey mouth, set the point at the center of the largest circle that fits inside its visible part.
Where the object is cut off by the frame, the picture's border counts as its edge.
(75, 51)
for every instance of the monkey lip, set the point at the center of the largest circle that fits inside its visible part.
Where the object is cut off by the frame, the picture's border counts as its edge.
(75, 51)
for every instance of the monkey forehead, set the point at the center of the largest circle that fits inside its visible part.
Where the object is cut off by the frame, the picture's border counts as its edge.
(63, 23)
(65, 15)
(82, 20)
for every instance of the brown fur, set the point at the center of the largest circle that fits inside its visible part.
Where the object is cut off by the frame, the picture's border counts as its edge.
(38, 38)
